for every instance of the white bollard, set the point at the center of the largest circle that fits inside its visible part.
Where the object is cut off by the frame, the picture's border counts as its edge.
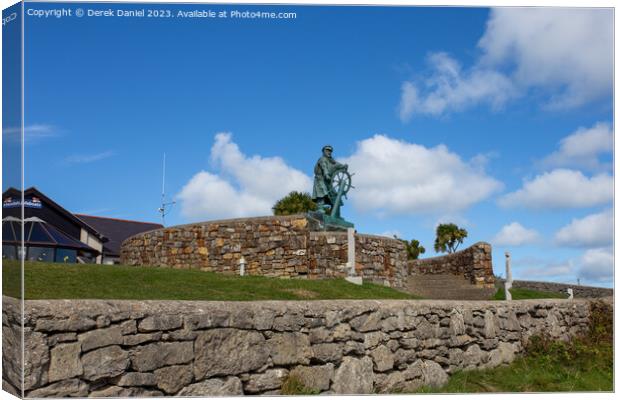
(352, 275)
(508, 283)
(242, 266)
(351, 251)
(570, 293)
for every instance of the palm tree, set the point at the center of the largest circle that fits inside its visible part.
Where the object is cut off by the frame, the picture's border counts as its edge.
(449, 237)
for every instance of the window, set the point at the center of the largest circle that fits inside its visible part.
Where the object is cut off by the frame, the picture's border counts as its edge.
(65, 256)
(45, 254)
(9, 252)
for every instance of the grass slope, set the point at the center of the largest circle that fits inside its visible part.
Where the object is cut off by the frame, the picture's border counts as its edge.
(79, 281)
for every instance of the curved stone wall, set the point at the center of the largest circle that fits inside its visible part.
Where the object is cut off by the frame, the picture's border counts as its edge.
(474, 263)
(104, 348)
(278, 246)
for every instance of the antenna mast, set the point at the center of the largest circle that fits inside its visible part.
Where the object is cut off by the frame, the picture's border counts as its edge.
(162, 210)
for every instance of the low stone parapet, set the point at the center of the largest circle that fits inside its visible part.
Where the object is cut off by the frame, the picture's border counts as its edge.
(578, 290)
(205, 348)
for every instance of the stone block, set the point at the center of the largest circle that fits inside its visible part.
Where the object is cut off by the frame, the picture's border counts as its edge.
(174, 378)
(106, 362)
(383, 358)
(73, 324)
(65, 388)
(268, 380)
(140, 338)
(315, 377)
(214, 387)
(53, 340)
(354, 376)
(214, 347)
(136, 379)
(160, 323)
(289, 348)
(366, 322)
(65, 362)
(326, 352)
(100, 338)
(156, 355)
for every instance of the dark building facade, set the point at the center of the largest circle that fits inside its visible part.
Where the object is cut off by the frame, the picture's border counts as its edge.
(53, 234)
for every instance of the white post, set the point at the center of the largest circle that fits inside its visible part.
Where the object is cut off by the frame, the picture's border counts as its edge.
(508, 283)
(570, 293)
(353, 278)
(351, 251)
(242, 266)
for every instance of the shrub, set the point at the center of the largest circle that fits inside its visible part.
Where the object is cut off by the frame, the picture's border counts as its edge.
(294, 203)
(413, 247)
(599, 335)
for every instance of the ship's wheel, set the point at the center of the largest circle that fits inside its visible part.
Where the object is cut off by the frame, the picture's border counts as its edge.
(343, 178)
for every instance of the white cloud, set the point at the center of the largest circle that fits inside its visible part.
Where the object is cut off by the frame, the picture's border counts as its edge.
(564, 55)
(597, 265)
(515, 234)
(397, 177)
(555, 270)
(451, 89)
(391, 234)
(566, 50)
(582, 148)
(88, 158)
(32, 133)
(561, 188)
(591, 231)
(532, 268)
(244, 186)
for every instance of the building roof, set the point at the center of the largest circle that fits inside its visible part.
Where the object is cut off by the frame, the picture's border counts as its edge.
(117, 230)
(55, 206)
(39, 233)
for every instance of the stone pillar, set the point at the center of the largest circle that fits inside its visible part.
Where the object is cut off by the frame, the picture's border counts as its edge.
(508, 283)
(351, 251)
(352, 275)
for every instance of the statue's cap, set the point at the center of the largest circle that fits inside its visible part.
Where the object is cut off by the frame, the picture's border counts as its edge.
(328, 147)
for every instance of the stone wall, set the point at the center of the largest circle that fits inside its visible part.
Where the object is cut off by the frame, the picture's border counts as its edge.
(578, 290)
(197, 348)
(378, 259)
(474, 263)
(282, 246)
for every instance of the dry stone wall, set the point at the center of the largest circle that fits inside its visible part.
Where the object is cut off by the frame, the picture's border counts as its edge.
(578, 290)
(282, 246)
(474, 263)
(197, 348)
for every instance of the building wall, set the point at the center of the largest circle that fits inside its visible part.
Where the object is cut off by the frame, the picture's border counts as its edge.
(196, 348)
(92, 241)
(474, 263)
(282, 246)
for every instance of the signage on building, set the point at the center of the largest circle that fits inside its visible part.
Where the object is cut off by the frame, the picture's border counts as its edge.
(13, 202)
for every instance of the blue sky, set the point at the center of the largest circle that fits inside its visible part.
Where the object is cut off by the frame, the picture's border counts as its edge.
(497, 120)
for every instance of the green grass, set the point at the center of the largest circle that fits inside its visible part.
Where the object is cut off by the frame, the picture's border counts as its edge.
(524, 294)
(294, 386)
(538, 373)
(80, 281)
(585, 364)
